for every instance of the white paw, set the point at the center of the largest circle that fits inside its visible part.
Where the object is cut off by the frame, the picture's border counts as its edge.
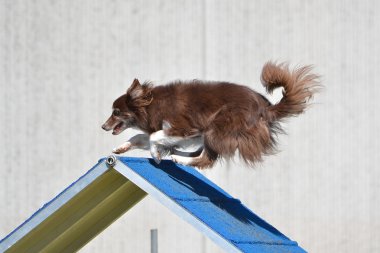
(182, 160)
(155, 153)
(122, 148)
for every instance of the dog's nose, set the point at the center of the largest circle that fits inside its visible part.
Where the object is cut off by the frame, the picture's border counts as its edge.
(104, 127)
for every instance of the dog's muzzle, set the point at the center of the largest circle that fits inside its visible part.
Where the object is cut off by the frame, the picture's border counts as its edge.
(104, 127)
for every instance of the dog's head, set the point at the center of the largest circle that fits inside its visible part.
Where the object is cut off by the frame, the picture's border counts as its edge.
(129, 109)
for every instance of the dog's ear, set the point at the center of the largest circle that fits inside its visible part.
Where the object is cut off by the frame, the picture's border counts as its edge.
(141, 95)
(135, 90)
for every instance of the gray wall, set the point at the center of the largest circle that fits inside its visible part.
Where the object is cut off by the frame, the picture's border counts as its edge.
(62, 63)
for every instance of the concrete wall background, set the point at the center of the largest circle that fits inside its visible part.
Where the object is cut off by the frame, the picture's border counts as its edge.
(62, 63)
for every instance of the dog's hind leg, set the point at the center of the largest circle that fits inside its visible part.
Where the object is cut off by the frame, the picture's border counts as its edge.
(204, 160)
(169, 136)
(160, 139)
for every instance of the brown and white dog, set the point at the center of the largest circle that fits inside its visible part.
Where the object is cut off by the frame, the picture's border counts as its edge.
(223, 117)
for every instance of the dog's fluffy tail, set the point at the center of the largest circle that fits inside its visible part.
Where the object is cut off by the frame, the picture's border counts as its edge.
(299, 87)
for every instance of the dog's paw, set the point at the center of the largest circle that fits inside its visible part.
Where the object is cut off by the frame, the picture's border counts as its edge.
(174, 158)
(182, 160)
(122, 148)
(155, 153)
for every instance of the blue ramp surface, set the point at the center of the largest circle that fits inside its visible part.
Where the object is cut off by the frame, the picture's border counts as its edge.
(208, 207)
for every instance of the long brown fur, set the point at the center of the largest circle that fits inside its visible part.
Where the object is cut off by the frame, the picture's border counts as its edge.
(229, 116)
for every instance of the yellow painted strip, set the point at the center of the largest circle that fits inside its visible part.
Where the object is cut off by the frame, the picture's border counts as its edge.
(97, 219)
(83, 217)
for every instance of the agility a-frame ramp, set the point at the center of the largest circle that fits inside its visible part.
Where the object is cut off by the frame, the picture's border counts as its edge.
(114, 185)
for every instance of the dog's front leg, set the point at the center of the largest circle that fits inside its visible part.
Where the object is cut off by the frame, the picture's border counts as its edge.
(140, 141)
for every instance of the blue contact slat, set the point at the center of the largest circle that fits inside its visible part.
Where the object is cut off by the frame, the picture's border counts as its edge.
(217, 212)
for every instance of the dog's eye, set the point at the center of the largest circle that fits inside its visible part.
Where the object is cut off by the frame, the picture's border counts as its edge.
(116, 112)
